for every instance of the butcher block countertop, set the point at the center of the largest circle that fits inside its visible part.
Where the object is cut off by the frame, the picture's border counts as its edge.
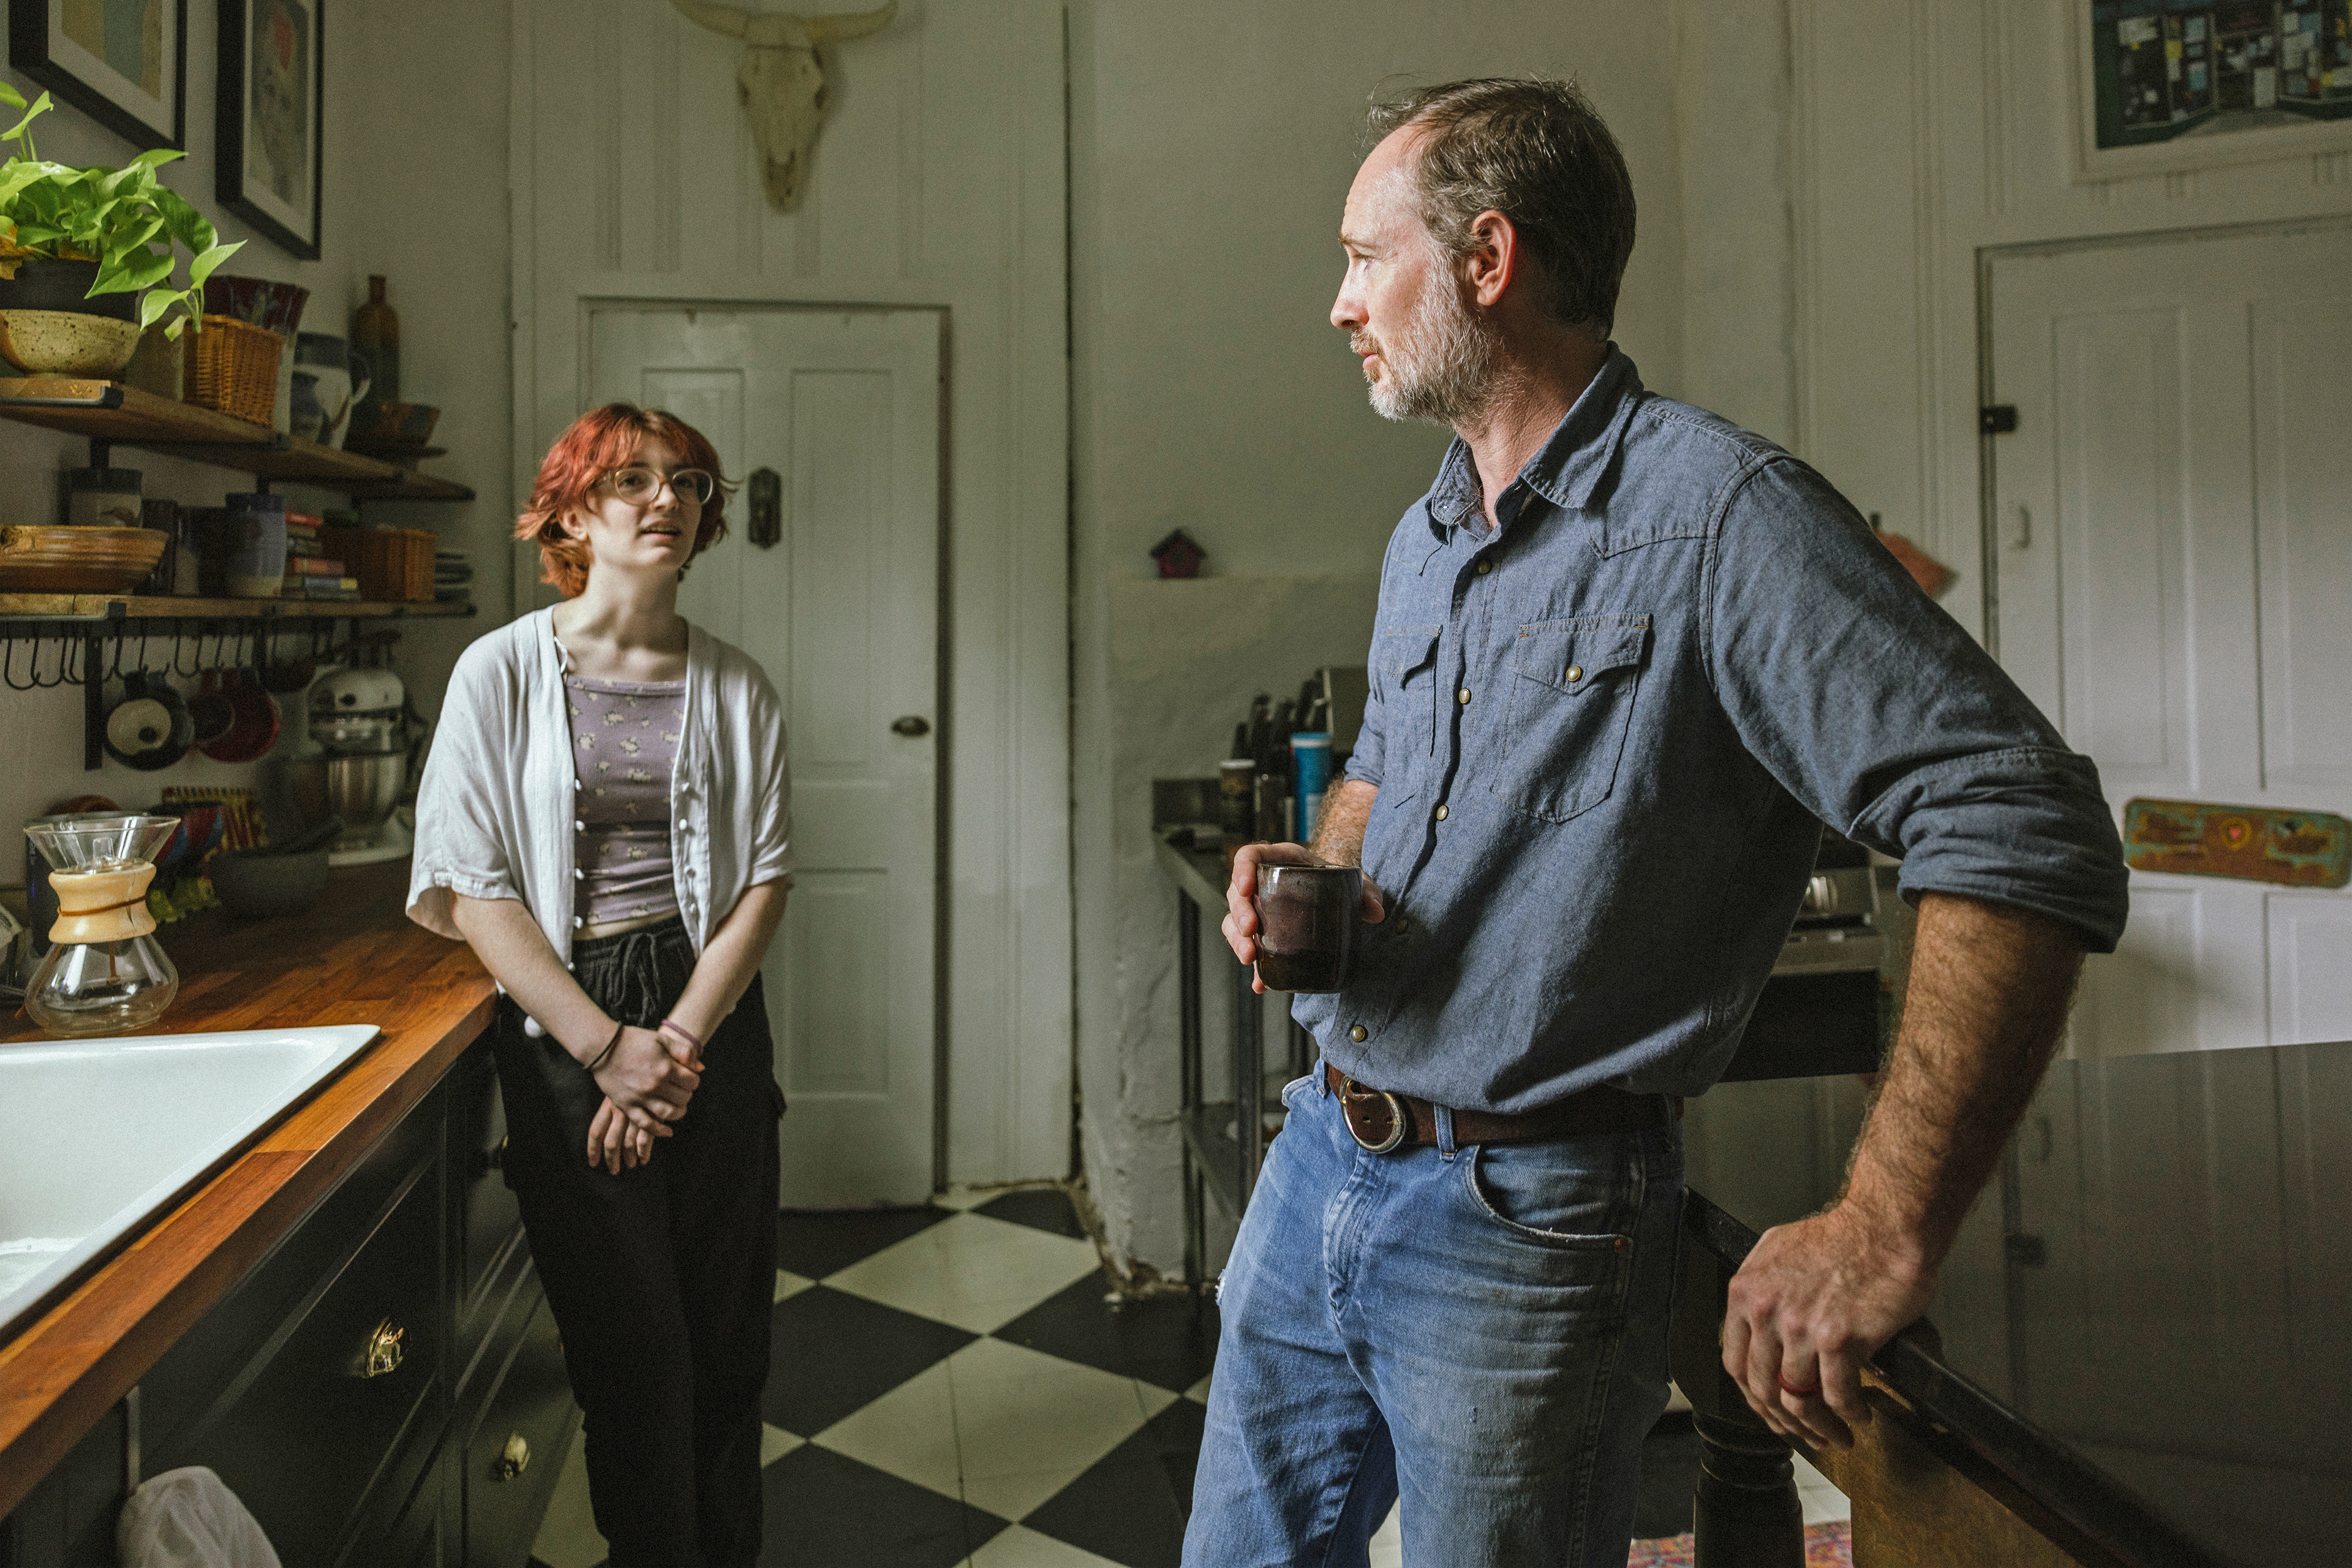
(355, 958)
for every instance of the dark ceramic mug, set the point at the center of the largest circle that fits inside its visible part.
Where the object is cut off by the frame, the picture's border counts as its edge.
(1307, 921)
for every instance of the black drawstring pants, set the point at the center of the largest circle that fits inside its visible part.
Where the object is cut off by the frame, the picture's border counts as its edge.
(661, 1278)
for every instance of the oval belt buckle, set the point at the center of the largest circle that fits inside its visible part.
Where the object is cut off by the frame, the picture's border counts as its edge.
(1352, 1090)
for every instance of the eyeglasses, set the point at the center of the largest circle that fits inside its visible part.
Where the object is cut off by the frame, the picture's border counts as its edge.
(638, 484)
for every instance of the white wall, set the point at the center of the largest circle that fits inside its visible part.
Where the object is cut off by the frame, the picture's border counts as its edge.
(414, 160)
(1925, 132)
(1211, 148)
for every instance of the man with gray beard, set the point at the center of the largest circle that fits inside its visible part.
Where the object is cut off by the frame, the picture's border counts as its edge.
(1628, 659)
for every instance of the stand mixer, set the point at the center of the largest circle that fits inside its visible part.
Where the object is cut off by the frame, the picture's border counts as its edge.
(359, 724)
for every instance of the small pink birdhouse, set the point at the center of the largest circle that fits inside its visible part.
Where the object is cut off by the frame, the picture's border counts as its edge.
(1179, 556)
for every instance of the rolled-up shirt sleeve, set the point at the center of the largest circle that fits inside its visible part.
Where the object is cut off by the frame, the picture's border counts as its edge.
(771, 858)
(461, 844)
(1879, 714)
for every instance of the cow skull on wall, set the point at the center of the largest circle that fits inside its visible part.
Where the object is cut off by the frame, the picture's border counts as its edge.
(781, 81)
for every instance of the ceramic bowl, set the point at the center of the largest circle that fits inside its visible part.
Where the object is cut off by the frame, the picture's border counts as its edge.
(43, 560)
(408, 424)
(258, 885)
(67, 343)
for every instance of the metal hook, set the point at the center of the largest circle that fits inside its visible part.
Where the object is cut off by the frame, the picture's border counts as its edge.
(8, 661)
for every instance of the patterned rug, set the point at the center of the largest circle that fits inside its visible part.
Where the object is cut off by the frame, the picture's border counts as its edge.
(1826, 1546)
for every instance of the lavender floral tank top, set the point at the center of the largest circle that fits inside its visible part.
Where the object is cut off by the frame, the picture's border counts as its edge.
(623, 741)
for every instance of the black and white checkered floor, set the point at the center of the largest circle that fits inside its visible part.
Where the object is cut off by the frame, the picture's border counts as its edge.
(954, 1386)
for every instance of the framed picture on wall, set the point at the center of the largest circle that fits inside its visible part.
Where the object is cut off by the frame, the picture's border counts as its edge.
(2162, 86)
(122, 62)
(271, 116)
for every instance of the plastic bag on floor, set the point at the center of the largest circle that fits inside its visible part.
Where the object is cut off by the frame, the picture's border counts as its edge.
(189, 1518)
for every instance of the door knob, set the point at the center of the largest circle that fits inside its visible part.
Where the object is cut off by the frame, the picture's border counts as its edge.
(514, 1459)
(911, 726)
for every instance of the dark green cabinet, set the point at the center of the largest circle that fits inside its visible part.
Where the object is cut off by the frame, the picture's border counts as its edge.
(385, 1390)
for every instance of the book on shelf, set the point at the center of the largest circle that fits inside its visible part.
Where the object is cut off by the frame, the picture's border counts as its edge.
(320, 588)
(313, 566)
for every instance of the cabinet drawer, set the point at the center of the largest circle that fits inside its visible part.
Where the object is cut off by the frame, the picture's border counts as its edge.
(181, 1387)
(486, 1342)
(304, 1431)
(414, 1524)
(514, 1454)
(478, 1141)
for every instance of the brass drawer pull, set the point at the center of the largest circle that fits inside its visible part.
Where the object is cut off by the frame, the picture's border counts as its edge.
(383, 1354)
(514, 1459)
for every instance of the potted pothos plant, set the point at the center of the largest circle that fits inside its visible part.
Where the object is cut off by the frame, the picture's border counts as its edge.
(87, 256)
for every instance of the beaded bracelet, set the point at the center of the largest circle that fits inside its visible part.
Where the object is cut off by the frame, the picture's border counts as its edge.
(607, 1051)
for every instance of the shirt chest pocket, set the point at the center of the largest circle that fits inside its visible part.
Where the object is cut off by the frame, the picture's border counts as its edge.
(1572, 696)
(1406, 673)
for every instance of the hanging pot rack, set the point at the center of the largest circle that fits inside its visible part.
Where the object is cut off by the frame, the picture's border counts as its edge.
(42, 652)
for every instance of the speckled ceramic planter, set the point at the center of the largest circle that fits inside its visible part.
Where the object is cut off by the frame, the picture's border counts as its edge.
(66, 342)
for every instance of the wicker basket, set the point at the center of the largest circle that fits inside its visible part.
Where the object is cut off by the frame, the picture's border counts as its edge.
(233, 367)
(392, 564)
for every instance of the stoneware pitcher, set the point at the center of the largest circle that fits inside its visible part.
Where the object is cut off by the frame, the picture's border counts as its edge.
(328, 380)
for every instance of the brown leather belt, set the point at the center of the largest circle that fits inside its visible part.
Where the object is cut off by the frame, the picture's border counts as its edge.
(1380, 1121)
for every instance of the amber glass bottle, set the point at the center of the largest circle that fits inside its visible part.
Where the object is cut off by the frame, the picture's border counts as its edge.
(375, 337)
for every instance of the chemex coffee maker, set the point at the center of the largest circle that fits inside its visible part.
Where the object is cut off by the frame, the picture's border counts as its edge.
(106, 974)
(363, 737)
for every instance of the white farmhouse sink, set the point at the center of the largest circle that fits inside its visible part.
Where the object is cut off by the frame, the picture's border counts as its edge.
(98, 1138)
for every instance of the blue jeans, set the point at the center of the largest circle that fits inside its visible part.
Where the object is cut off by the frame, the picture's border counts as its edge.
(1481, 1330)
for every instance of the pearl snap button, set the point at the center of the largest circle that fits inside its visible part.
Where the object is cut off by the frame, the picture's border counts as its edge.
(1441, 814)
(1484, 567)
(1358, 1033)
(1462, 695)
(1575, 673)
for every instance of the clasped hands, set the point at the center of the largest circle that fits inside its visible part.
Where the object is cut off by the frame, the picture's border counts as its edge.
(648, 1078)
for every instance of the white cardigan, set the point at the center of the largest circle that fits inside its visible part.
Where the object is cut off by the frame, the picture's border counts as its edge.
(494, 812)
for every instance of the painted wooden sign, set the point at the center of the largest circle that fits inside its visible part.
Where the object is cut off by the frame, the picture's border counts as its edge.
(2253, 843)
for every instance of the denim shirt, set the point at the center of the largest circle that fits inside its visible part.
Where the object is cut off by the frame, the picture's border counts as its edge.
(1606, 733)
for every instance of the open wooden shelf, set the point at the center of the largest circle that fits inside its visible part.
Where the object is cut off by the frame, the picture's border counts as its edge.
(110, 411)
(136, 608)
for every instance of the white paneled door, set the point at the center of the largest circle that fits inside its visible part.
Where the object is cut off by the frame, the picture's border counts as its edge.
(2173, 534)
(838, 599)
